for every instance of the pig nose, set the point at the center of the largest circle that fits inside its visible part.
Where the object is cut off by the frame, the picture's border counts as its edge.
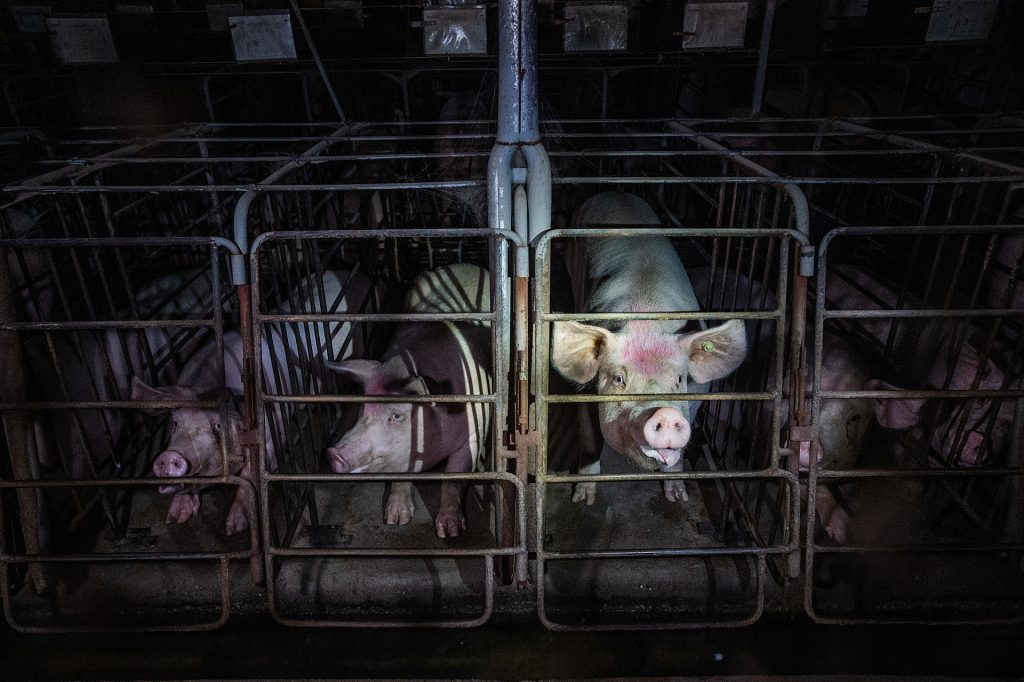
(170, 463)
(667, 428)
(338, 463)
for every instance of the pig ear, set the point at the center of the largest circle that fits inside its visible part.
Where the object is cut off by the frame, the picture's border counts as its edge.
(716, 352)
(576, 349)
(895, 413)
(142, 391)
(416, 386)
(357, 370)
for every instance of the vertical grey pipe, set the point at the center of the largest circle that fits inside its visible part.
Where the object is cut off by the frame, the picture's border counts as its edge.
(518, 121)
(762, 58)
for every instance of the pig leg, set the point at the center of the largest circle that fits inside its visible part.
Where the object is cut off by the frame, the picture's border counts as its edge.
(184, 506)
(834, 518)
(238, 518)
(450, 522)
(399, 509)
(586, 491)
(675, 491)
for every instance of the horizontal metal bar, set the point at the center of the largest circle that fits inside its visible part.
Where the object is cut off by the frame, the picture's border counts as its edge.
(635, 397)
(662, 553)
(377, 317)
(152, 481)
(777, 314)
(396, 552)
(929, 393)
(86, 325)
(197, 555)
(840, 314)
(963, 472)
(106, 242)
(112, 404)
(418, 232)
(791, 180)
(378, 477)
(929, 548)
(754, 474)
(337, 398)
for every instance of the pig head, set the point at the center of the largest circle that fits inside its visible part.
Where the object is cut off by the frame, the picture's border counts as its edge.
(643, 359)
(197, 443)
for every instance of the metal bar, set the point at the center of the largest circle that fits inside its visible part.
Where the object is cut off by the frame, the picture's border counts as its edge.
(762, 58)
(316, 58)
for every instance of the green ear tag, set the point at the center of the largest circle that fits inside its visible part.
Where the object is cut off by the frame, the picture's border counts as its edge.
(708, 346)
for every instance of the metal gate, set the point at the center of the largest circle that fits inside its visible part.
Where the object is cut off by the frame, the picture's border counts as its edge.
(330, 558)
(84, 532)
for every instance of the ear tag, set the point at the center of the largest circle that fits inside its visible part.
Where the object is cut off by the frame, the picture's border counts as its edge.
(708, 346)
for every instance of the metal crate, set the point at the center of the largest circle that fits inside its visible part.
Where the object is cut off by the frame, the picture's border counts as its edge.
(331, 561)
(929, 209)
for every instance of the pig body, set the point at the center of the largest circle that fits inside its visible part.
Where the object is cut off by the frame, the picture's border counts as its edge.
(200, 441)
(945, 365)
(644, 356)
(425, 358)
(842, 423)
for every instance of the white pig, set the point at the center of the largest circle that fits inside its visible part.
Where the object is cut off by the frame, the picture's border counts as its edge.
(198, 436)
(646, 356)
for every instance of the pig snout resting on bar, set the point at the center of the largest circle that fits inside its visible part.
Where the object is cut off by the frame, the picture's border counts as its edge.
(642, 356)
(199, 438)
(425, 358)
(951, 363)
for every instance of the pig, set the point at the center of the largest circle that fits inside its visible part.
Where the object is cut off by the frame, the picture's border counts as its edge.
(99, 366)
(945, 365)
(425, 358)
(1006, 273)
(647, 356)
(842, 423)
(199, 436)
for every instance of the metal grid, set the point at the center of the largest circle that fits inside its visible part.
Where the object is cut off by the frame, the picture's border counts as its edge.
(311, 519)
(80, 447)
(916, 219)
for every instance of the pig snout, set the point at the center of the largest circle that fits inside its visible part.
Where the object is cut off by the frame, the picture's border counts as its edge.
(170, 464)
(663, 434)
(344, 461)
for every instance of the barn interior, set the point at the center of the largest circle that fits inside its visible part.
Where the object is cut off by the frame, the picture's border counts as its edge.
(209, 209)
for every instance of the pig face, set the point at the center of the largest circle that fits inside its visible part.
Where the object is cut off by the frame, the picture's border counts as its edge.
(641, 358)
(382, 438)
(196, 436)
(843, 423)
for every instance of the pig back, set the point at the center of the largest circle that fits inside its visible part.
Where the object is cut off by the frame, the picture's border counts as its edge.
(452, 358)
(456, 288)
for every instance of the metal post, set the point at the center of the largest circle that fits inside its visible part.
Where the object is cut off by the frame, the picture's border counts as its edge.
(762, 58)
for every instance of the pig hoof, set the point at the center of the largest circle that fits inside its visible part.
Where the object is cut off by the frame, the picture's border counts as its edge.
(675, 491)
(449, 523)
(237, 520)
(585, 492)
(183, 507)
(399, 510)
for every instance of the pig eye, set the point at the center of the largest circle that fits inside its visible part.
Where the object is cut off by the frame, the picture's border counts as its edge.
(216, 426)
(679, 380)
(396, 417)
(619, 380)
(855, 418)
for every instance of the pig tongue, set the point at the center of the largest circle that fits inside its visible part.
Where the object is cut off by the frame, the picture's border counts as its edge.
(168, 489)
(668, 456)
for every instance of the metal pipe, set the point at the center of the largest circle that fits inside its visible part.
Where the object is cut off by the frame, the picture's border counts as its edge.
(239, 276)
(518, 119)
(762, 58)
(319, 64)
